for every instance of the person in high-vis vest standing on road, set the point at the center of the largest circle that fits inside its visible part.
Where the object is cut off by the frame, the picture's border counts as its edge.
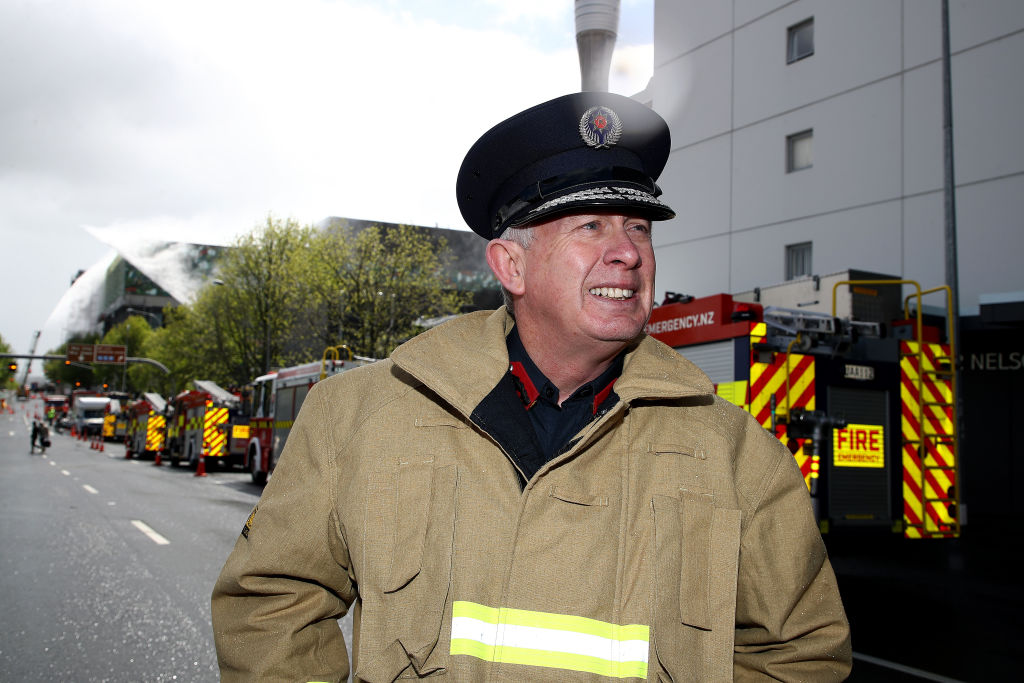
(542, 492)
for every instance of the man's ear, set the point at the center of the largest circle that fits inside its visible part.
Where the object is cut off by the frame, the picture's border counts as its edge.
(505, 258)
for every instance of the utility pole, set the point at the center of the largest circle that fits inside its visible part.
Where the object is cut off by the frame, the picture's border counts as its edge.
(952, 264)
(949, 189)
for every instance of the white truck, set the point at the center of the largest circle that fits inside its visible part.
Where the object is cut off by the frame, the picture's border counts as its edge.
(88, 412)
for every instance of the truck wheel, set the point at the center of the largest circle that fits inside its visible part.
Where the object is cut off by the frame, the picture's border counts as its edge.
(258, 475)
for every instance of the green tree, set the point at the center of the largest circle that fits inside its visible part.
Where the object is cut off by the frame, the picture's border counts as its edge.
(71, 374)
(285, 292)
(253, 317)
(243, 324)
(7, 378)
(132, 333)
(370, 289)
(193, 344)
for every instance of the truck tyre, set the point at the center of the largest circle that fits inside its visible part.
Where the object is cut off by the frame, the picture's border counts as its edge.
(258, 475)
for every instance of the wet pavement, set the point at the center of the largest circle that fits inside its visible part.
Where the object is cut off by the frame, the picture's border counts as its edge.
(936, 609)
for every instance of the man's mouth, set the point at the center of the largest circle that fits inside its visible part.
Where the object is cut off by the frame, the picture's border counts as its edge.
(613, 293)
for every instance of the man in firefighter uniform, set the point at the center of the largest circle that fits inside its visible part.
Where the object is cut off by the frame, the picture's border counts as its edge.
(542, 492)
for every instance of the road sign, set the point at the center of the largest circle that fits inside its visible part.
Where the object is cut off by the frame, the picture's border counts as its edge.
(109, 354)
(80, 353)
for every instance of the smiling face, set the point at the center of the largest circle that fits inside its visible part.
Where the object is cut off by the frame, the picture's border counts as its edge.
(587, 283)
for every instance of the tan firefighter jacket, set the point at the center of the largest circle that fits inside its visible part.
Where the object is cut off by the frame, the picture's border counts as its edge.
(674, 541)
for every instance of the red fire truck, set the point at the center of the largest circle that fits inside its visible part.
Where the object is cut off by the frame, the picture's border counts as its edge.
(206, 422)
(146, 426)
(862, 395)
(276, 399)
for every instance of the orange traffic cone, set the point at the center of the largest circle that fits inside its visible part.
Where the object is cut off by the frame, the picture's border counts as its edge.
(201, 467)
(127, 451)
(101, 444)
(156, 460)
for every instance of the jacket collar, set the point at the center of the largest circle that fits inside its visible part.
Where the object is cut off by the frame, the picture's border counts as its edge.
(464, 359)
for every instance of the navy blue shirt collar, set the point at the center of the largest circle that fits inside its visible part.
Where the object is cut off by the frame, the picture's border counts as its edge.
(555, 424)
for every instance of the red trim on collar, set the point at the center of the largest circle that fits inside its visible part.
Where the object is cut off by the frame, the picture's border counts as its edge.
(602, 395)
(524, 386)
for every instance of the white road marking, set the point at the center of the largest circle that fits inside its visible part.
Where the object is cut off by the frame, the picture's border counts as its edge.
(153, 536)
(89, 488)
(65, 473)
(110, 502)
(927, 675)
(53, 463)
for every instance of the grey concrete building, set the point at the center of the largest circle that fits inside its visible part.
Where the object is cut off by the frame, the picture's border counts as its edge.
(807, 139)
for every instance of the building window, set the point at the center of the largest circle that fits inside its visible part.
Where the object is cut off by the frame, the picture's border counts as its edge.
(800, 41)
(798, 260)
(799, 150)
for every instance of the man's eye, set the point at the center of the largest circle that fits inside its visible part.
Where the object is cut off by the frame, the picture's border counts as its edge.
(641, 227)
(592, 225)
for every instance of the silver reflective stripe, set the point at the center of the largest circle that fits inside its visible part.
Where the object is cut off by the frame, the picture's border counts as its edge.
(559, 641)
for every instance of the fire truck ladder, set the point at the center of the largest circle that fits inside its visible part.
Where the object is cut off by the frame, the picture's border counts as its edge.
(931, 453)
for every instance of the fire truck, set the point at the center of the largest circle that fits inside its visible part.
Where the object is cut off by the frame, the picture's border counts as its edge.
(146, 426)
(206, 421)
(115, 422)
(276, 399)
(857, 382)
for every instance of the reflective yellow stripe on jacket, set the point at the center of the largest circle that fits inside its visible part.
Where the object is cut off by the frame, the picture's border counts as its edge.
(557, 641)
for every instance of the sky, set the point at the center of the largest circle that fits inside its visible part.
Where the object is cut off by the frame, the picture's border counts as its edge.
(129, 121)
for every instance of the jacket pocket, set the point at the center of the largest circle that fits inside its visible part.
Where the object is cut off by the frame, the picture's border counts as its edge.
(696, 555)
(416, 588)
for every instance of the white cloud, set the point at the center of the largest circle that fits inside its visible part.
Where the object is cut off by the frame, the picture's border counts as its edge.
(191, 120)
(528, 10)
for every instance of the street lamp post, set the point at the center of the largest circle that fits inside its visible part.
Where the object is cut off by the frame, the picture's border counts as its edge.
(153, 316)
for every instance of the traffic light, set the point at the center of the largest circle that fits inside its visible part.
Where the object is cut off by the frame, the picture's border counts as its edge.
(12, 365)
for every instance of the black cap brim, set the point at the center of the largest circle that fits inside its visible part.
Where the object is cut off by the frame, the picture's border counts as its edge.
(582, 150)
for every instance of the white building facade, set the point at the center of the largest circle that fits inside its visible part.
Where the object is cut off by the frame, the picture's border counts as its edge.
(807, 138)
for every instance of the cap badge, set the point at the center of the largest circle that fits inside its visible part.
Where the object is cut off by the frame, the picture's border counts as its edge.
(600, 127)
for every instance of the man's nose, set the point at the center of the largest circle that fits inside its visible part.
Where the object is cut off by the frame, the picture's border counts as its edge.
(622, 249)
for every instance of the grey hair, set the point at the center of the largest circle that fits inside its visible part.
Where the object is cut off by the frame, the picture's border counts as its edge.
(523, 237)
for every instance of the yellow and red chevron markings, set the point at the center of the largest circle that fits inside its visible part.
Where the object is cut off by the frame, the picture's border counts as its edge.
(214, 439)
(155, 432)
(929, 439)
(769, 379)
